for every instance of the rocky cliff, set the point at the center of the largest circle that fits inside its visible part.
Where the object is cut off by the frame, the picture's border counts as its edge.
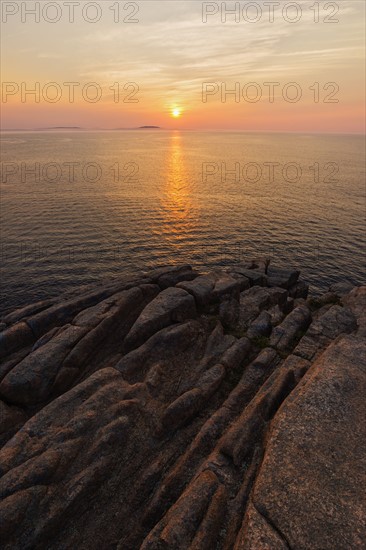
(185, 411)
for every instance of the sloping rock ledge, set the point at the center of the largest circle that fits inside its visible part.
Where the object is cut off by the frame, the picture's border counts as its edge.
(186, 410)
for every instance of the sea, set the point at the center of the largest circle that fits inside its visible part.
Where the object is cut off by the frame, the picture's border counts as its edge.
(83, 207)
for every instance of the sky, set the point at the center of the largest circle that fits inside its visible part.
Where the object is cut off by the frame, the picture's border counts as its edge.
(174, 67)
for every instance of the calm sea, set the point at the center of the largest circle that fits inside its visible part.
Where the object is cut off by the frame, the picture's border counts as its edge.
(80, 207)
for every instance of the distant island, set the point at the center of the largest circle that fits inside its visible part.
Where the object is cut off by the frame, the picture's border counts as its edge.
(77, 128)
(59, 128)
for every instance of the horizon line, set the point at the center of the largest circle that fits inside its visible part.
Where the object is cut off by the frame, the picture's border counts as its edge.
(154, 127)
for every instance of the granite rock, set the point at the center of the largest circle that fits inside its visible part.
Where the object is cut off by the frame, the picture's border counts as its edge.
(185, 410)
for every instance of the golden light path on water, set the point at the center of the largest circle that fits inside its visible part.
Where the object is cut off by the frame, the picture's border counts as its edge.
(160, 208)
(177, 192)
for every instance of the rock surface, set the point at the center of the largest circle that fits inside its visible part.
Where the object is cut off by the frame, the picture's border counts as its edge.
(308, 487)
(185, 410)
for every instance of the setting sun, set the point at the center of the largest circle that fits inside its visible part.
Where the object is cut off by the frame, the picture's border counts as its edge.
(176, 112)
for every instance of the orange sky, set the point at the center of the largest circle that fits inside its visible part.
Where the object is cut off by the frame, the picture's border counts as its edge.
(168, 56)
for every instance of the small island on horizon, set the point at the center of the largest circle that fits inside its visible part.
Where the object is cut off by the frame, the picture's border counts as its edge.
(78, 128)
(149, 128)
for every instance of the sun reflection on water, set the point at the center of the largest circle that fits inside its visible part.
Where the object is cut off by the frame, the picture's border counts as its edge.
(177, 201)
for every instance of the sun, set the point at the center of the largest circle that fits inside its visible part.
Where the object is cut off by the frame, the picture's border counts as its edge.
(176, 112)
